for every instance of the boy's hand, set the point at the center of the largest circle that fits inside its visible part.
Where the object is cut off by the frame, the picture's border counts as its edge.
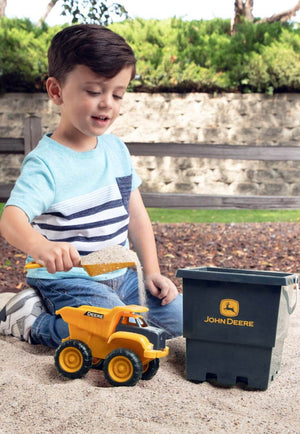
(17, 230)
(56, 256)
(161, 287)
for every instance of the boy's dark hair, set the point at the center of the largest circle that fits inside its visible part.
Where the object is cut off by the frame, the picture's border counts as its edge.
(105, 52)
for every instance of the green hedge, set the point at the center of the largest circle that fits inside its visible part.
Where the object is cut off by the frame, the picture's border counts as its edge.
(173, 55)
(23, 55)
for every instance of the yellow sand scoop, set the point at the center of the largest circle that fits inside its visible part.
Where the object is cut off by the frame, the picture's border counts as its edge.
(92, 269)
(103, 261)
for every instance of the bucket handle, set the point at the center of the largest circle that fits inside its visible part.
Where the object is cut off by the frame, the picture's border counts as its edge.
(285, 293)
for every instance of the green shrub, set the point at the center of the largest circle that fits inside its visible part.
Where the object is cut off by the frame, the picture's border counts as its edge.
(23, 54)
(172, 55)
(276, 66)
(182, 56)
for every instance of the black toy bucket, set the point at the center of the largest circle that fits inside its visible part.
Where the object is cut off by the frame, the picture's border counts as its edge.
(235, 322)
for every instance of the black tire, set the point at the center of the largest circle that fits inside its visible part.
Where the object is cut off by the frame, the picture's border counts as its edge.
(150, 369)
(122, 367)
(73, 359)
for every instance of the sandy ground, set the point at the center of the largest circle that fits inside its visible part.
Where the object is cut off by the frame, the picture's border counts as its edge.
(35, 399)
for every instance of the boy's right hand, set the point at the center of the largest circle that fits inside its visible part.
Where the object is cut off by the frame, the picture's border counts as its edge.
(56, 256)
(17, 230)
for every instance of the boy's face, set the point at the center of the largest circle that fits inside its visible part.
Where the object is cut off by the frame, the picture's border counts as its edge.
(89, 103)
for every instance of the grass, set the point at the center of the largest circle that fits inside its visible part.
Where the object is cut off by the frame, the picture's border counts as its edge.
(162, 215)
(222, 216)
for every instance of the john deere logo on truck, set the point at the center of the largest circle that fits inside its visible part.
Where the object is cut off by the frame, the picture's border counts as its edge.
(229, 307)
(94, 314)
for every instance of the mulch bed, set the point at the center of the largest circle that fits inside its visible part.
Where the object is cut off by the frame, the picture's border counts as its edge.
(261, 246)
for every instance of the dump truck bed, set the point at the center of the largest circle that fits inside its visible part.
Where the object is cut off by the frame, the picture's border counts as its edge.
(96, 320)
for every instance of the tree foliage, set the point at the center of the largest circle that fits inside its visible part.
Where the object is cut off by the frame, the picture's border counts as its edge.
(93, 11)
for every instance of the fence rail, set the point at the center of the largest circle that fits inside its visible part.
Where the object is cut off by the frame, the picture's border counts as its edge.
(233, 152)
(33, 132)
(203, 201)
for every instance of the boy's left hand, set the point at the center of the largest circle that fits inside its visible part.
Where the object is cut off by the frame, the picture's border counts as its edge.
(161, 287)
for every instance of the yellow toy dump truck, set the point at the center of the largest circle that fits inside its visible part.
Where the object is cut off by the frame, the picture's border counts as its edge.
(117, 340)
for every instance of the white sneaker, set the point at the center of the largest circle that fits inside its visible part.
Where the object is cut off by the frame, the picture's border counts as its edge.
(19, 314)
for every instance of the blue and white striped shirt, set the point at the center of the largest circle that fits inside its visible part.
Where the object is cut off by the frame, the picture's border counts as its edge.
(81, 198)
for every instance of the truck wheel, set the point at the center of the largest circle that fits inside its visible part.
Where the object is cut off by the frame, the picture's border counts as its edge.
(73, 358)
(122, 367)
(150, 369)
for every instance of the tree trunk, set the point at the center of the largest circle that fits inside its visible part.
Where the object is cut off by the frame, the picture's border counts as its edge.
(283, 16)
(242, 8)
(2, 7)
(50, 6)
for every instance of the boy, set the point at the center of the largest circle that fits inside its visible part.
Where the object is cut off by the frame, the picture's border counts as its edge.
(78, 193)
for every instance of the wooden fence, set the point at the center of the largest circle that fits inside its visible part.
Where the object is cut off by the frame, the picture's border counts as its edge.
(8, 145)
(33, 132)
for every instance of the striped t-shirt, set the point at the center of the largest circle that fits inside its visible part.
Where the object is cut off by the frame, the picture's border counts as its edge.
(77, 197)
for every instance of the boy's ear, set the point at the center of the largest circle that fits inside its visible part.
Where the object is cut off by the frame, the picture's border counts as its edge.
(54, 90)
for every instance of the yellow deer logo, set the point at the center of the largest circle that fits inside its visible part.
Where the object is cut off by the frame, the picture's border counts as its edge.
(229, 307)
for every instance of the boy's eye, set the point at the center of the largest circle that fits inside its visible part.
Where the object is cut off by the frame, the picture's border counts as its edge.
(93, 93)
(118, 97)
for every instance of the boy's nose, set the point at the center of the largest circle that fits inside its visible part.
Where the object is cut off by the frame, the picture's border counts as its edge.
(105, 100)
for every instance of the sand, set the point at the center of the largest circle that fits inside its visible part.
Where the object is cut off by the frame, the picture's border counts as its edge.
(35, 399)
(117, 255)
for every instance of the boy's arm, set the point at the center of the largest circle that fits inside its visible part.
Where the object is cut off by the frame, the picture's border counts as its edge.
(142, 237)
(17, 230)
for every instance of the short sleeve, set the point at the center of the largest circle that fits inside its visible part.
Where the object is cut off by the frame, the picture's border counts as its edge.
(34, 189)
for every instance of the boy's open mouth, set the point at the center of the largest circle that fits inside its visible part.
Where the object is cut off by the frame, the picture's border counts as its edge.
(100, 118)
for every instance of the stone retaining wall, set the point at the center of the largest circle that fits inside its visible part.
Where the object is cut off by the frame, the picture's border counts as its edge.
(192, 118)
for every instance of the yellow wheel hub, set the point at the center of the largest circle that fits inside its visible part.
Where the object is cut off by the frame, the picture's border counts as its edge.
(120, 369)
(70, 359)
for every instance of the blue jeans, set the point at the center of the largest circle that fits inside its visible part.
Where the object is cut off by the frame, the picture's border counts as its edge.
(49, 329)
